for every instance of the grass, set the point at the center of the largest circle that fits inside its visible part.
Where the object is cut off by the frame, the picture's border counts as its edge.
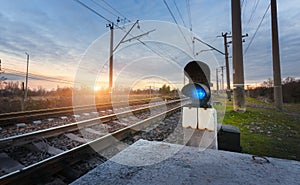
(265, 131)
(292, 107)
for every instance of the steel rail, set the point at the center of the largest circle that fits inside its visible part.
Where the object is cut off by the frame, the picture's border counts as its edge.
(7, 118)
(53, 165)
(54, 131)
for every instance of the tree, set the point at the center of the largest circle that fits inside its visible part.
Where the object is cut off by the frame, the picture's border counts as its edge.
(2, 79)
(165, 89)
(268, 83)
(289, 80)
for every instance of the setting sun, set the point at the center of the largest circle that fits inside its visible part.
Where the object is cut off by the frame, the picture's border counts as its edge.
(97, 88)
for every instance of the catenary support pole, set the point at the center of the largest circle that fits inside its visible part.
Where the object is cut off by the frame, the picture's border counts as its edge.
(26, 88)
(237, 62)
(276, 58)
(226, 60)
(217, 80)
(111, 26)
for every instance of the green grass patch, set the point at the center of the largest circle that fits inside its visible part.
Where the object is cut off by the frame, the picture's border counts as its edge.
(295, 107)
(266, 132)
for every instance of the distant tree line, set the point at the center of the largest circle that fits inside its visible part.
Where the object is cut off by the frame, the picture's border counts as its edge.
(12, 96)
(290, 90)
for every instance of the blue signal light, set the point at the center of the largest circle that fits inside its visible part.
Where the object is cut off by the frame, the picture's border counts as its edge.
(199, 93)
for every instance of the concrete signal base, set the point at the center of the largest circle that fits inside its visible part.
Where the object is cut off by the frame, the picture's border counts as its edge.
(150, 162)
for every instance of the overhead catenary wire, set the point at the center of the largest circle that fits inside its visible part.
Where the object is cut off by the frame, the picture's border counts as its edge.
(37, 76)
(123, 29)
(243, 9)
(242, 3)
(92, 10)
(9, 71)
(165, 2)
(115, 10)
(188, 7)
(257, 29)
(254, 8)
(98, 4)
(179, 13)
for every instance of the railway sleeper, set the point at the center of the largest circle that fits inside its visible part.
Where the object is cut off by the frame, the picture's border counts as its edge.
(8, 164)
(44, 147)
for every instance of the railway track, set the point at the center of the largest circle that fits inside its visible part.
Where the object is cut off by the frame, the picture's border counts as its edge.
(22, 128)
(7, 119)
(58, 162)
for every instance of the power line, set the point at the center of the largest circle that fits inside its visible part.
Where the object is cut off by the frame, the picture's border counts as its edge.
(115, 10)
(209, 45)
(179, 13)
(123, 28)
(98, 4)
(189, 14)
(37, 76)
(257, 28)
(151, 49)
(177, 25)
(252, 12)
(242, 3)
(94, 11)
(170, 12)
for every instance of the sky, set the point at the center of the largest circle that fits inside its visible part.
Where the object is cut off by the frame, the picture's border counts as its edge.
(62, 38)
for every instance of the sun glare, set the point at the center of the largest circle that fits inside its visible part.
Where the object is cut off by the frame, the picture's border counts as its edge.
(97, 88)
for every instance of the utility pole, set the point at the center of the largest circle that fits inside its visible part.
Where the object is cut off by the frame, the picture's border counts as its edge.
(225, 36)
(237, 52)
(111, 27)
(26, 88)
(217, 80)
(276, 58)
(112, 49)
(222, 75)
(248, 90)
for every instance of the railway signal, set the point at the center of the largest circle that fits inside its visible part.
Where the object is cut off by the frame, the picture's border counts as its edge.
(199, 116)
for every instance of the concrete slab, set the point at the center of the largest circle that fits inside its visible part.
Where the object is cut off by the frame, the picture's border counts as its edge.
(8, 164)
(147, 162)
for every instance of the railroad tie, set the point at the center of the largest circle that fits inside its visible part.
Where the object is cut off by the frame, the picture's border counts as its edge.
(8, 164)
(77, 138)
(92, 131)
(42, 146)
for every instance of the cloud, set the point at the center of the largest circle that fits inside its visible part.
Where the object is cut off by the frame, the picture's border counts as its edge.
(56, 33)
